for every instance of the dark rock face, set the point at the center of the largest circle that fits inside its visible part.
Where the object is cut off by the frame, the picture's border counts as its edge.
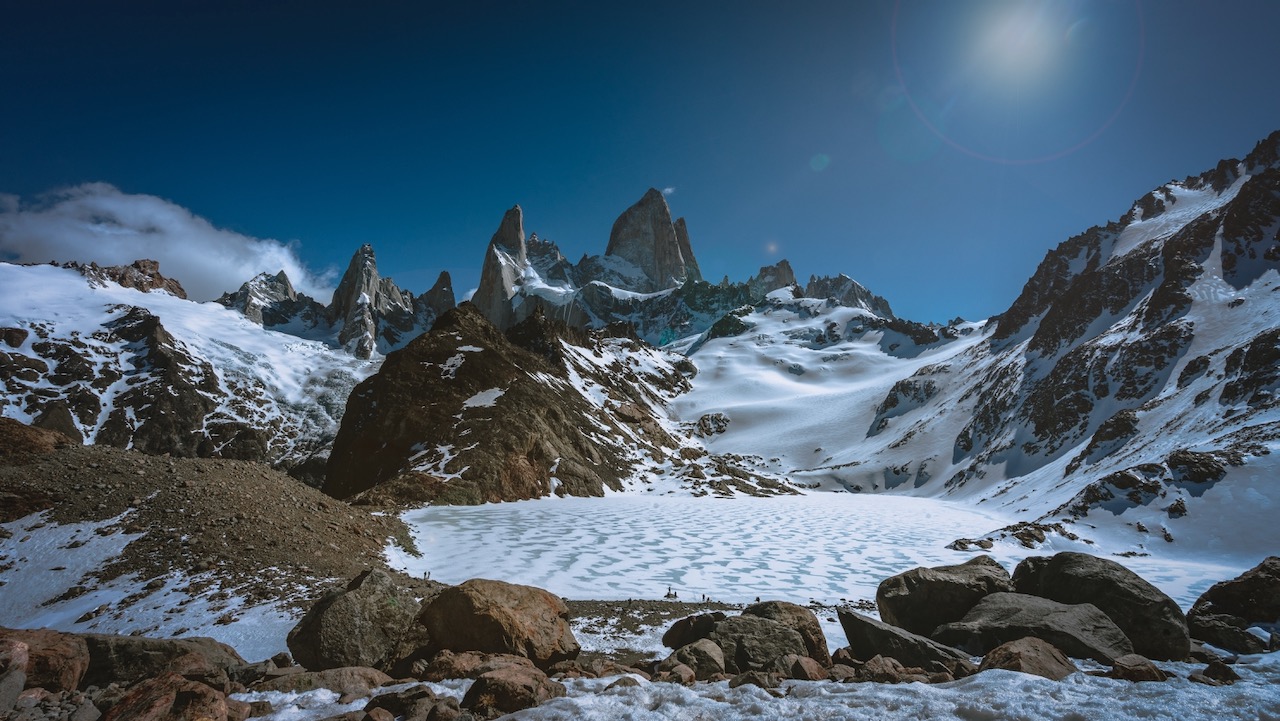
(143, 275)
(1223, 613)
(848, 292)
(922, 599)
(1152, 621)
(691, 628)
(645, 236)
(751, 643)
(869, 638)
(1136, 668)
(271, 301)
(500, 274)
(497, 617)
(520, 416)
(1080, 630)
(360, 625)
(129, 659)
(799, 618)
(1030, 655)
(375, 315)
(55, 661)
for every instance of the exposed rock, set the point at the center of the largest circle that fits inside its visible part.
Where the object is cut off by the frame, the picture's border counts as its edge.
(645, 237)
(1223, 613)
(467, 664)
(1134, 667)
(1220, 672)
(416, 702)
(1030, 655)
(670, 670)
(799, 618)
(372, 313)
(129, 659)
(922, 599)
(886, 669)
(349, 680)
(763, 679)
(848, 292)
(21, 443)
(143, 275)
(360, 625)
(692, 272)
(771, 278)
(1152, 621)
(169, 697)
(271, 301)
(509, 689)
(500, 275)
(802, 668)
(55, 661)
(1079, 630)
(704, 656)
(751, 643)
(497, 617)
(869, 637)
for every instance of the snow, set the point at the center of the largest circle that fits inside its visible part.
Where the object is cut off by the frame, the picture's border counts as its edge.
(484, 399)
(1182, 205)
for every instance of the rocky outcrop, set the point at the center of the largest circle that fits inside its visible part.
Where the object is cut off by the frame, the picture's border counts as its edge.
(771, 278)
(869, 638)
(1079, 630)
(847, 292)
(1030, 655)
(752, 643)
(1222, 614)
(130, 659)
(54, 660)
(922, 599)
(271, 301)
(169, 697)
(373, 315)
(362, 624)
(645, 236)
(497, 617)
(142, 275)
(503, 267)
(1152, 621)
(798, 618)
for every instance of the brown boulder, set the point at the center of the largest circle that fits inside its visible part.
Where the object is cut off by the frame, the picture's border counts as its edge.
(55, 661)
(468, 664)
(704, 656)
(922, 599)
(1030, 655)
(802, 668)
(352, 680)
(1134, 667)
(509, 689)
(869, 638)
(497, 617)
(691, 628)
(129, 659)
(169, 697)
(799, 618)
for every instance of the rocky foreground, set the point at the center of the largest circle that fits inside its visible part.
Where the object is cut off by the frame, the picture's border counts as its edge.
(515, 645)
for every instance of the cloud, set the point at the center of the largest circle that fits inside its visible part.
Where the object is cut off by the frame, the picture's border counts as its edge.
(669, 190)
(96, 222)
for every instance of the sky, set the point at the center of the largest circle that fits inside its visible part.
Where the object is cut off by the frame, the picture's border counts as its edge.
(933, 150)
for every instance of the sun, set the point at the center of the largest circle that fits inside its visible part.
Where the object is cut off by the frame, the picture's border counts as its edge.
(1018, 43)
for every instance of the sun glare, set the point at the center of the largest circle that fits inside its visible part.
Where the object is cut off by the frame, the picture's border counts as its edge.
(1019, 43)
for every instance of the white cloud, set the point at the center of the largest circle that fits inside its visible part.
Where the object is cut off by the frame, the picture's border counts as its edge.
(668, 190)
(96, 222)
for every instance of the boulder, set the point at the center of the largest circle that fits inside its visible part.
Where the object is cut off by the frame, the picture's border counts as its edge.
(1223, 613)
(509, 689)
(351, 680)
(704, 656)
(12, 681)
(497, 617)
(869, 638)
(922, 599)
(1153, 622)
(359, 625)
(468, 664)
(799, 618)
(129, 659)
(1135, 668)
(802, 668)
(751, 643)
(1080, 630)
(1030, 655)
(416, 702)
(672, 671)
(882, 669)
(763, 679)
(169, 697)
(691, 628)
(55, 661)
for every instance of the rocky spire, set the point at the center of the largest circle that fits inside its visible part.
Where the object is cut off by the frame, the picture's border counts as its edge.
(692, 272)
(771, 278)
(645, 237)
(504, 264)
(362, 298)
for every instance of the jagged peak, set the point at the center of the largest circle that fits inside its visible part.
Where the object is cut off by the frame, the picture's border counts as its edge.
(509, 237)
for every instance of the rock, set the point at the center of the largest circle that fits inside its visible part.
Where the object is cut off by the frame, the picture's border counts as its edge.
(1079, 630)
(497, 617)
(468, 664)
(802, 668)
(1030, 655)
(504, 263)
(1223, 613)
(849, 292)
(842, 673)
(509, 689)
(12, 682)
(763, 679)
(142, 275)
(883, 669)
(704, 656)
(922, 599)
(351, 680)
(129, 659)
(412, 703)
(360, 625)
(55, 661)
(169, 697)
(645, 236)
(869, 638)
(623, 683)
(1135, 667)
(604, 667)
(799, 618)
(751, 643)
(671, 671)
(1220, 672)
(1153, 622)
(371, 312)
(691, 628)
(14, 655)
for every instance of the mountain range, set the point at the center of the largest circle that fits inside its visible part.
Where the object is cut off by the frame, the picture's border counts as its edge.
(1132, 384)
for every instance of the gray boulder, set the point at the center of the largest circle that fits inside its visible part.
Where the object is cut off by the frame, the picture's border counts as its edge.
(360, 625)
(1223, 613)
(1153, 622)
(799, 618)
(704, 656)
(1080, 630)
(922, 599)
(751, 643)
(691, 628)
(869, 638)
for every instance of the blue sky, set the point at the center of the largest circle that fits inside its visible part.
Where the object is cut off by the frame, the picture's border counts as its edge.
(933, 150)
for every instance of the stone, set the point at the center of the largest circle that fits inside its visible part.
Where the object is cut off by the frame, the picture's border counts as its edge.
(842, 673)
(129, 659)
(799, 618)
(55, 661)
(691, 628)
(704, 656)
(468, 664)
(885, 669)
(802, 668)
(503, 266)
(413, 702)
(623, 683)
(509, 689)
(1135, 667)
(359, 625)
(869, 638)
(1030, 655)
(498, 617)
(751, 643)
(1151, 619)
(1222, 673)
(1079, 630)
(645, 236)
(922, 599)
(763, 679)
(1223, 613)
(351, 680)
(14, 655)
(675, 672)
(12, 682)
(169, 697)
